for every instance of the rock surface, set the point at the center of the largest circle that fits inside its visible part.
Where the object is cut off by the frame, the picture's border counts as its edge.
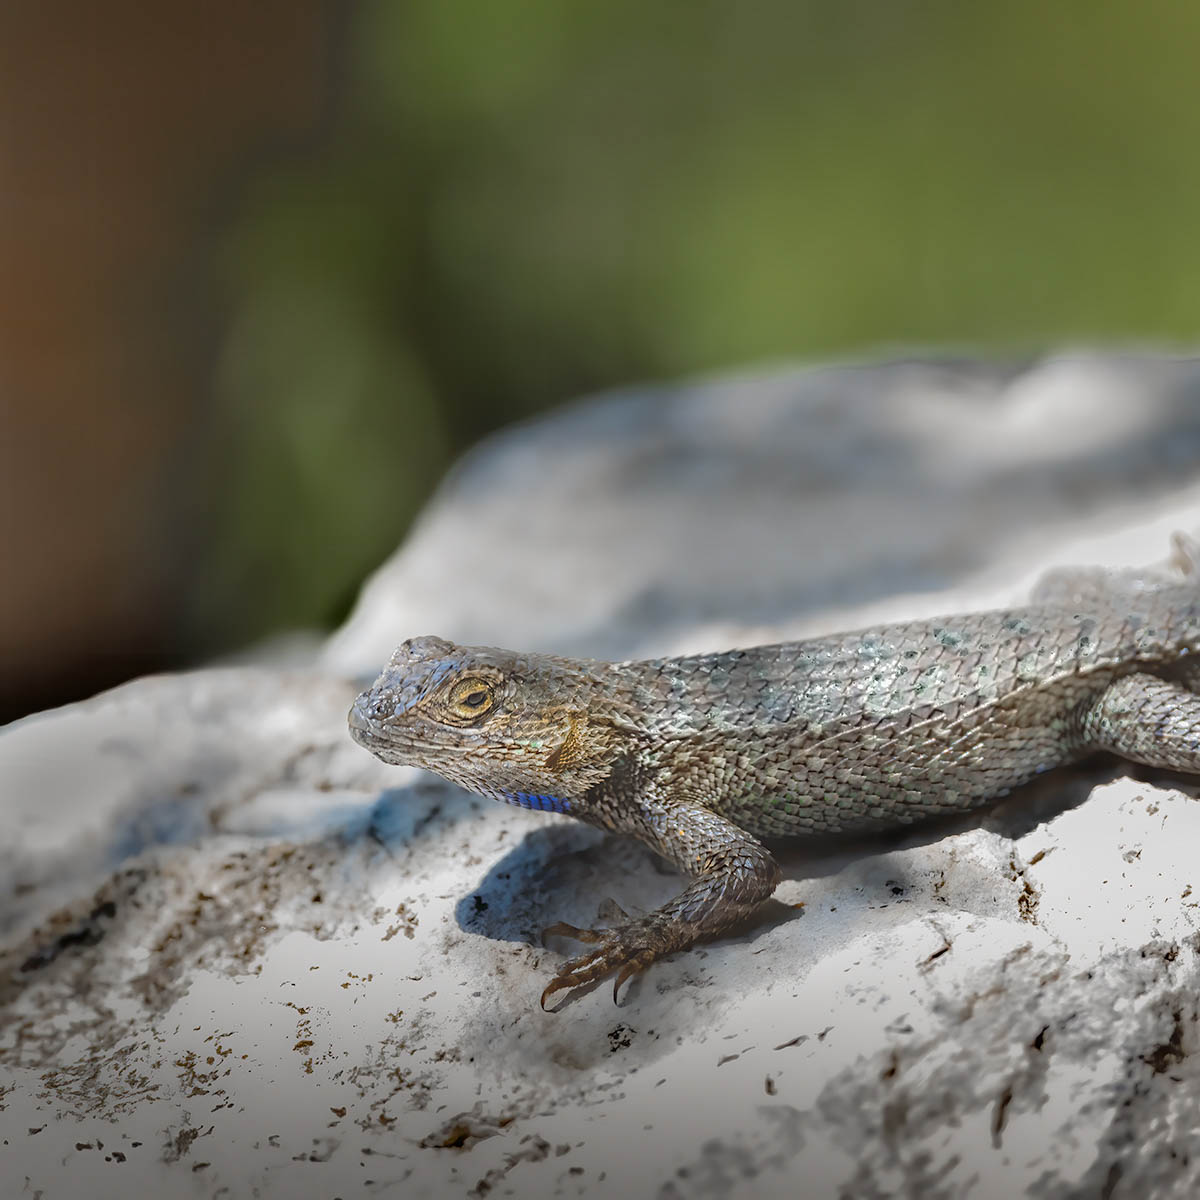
(240, 956)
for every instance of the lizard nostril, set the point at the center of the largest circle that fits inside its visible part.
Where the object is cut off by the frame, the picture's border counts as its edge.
(366, 712)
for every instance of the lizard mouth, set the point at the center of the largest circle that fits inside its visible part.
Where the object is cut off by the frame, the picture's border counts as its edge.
(409, 744)
(398, 746)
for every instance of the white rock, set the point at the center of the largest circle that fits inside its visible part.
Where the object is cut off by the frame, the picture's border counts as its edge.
(239, 953)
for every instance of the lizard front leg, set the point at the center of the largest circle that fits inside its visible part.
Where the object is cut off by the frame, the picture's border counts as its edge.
(733, 874)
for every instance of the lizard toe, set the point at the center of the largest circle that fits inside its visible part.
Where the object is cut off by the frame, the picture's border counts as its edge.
(577, 973)
(562, 929)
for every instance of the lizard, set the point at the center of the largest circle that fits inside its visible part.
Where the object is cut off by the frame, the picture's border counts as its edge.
(709, 757)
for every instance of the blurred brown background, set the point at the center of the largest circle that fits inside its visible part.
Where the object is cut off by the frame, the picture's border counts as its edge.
(125, 134)
(264, 269)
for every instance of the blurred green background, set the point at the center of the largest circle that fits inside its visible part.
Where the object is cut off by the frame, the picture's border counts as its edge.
(497, 207)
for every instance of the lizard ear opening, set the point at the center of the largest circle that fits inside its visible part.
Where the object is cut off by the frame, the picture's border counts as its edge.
(570, 750)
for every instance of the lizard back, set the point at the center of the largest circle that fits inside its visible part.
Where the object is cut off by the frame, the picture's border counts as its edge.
(897, 721)
(885, 672)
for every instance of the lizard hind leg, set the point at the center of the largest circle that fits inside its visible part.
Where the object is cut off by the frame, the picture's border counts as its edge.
(1185, 554)
(1148, 719)
(1071, 586)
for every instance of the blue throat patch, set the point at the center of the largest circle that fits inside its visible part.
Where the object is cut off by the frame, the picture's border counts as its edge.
(541, 803)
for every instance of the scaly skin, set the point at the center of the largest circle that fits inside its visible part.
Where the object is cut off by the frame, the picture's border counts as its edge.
(702, 757)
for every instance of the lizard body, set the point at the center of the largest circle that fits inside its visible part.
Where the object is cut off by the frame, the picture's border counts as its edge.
(704, 756)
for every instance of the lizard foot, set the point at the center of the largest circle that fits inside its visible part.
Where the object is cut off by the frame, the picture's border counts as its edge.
(627, 949)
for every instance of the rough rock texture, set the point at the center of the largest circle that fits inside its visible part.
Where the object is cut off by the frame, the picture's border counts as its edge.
(240, 956)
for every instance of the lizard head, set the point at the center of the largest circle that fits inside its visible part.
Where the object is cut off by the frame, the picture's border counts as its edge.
(516, 727)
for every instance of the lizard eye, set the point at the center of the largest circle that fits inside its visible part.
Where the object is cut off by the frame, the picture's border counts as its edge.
(472, 697)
